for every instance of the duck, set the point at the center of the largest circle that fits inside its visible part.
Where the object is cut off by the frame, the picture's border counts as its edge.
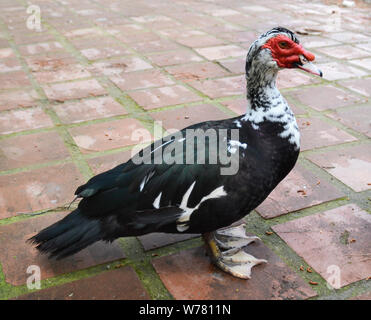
(176, 185)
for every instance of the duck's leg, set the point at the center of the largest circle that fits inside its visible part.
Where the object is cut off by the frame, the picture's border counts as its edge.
(225, 247)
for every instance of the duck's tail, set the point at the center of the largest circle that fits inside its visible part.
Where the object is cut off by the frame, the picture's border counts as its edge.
(68, 236)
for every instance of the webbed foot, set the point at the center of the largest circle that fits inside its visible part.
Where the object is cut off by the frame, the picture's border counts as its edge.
(226, 250)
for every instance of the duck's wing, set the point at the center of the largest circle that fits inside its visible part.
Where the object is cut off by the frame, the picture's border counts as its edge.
(137, 198)
(163, 180)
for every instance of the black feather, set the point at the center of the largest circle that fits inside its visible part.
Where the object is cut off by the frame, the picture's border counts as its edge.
(68, 236)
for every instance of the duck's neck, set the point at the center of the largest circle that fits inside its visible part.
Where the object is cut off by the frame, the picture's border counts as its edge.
(265, 103)
(260, 82)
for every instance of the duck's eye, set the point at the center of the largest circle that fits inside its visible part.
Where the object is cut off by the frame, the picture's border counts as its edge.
(283, 44)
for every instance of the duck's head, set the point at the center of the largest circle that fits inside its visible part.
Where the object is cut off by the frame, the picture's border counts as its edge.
(277, 49)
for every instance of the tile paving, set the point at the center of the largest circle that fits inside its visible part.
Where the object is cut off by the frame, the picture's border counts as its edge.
(73, 94)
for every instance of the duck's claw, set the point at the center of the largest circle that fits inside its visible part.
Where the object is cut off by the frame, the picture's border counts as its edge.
(234, 260)
(234, 237)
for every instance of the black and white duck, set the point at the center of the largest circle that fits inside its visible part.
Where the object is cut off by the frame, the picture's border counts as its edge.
(187, 196)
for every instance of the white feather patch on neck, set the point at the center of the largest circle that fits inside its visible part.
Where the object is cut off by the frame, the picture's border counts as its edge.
(279, 111)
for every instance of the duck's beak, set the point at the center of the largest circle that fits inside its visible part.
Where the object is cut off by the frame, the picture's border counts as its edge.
(306, 65)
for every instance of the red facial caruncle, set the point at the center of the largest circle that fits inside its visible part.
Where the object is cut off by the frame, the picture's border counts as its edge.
(286, 52)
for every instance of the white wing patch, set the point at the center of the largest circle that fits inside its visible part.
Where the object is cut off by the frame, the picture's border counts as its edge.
(182, 222)
(156, 203)
(145, 180)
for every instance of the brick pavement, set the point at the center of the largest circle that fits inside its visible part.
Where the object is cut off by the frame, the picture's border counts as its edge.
(72, 94)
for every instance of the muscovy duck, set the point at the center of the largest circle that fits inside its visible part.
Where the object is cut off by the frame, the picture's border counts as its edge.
(185, 197)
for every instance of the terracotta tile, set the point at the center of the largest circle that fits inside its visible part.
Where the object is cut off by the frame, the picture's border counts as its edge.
(14, 80)
(157, 240)
(108, 135)
(20, 151)
(84, 32)
(107, 162)
(142, 80)
(255, 8)
(73, 90)
(93, 42)
(3, 43)
(234, 65)
(198, 19)
(356, 118)
(119, 66)
(96, 53)
(238, 106)
(289, 78)
(221, 87)
(189, 275)
(89, 12)
(174, 57)
(73, 27)
(247, 21)
(124, 29)
(19, 254)
(198, 40)
(295, 109)
(62, 72)
(91, 288)
(108, 20)
(156, 21)
(37, 48)
(6, 53)
(197, 71)
(364, 63)
(185, 33)
(337, 237)
(223, 12)
(344, 52)
(317, 42)
(221, 52)
(154, 46)
(335, 71)
(350, 165)
(9, 65)
(216, 29)
(240, 36)
(165, 96)
(16, 120)
(347, 36)
(294, 106)
(300, 189)
(364, 46)
(38, 189)
(324, 97)
(320, 58)
(35, 37)
(18, 98)
(183, 117)
(89, 109)
(361, 86)
(137, 37)
(316, 133)
(50, 61)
